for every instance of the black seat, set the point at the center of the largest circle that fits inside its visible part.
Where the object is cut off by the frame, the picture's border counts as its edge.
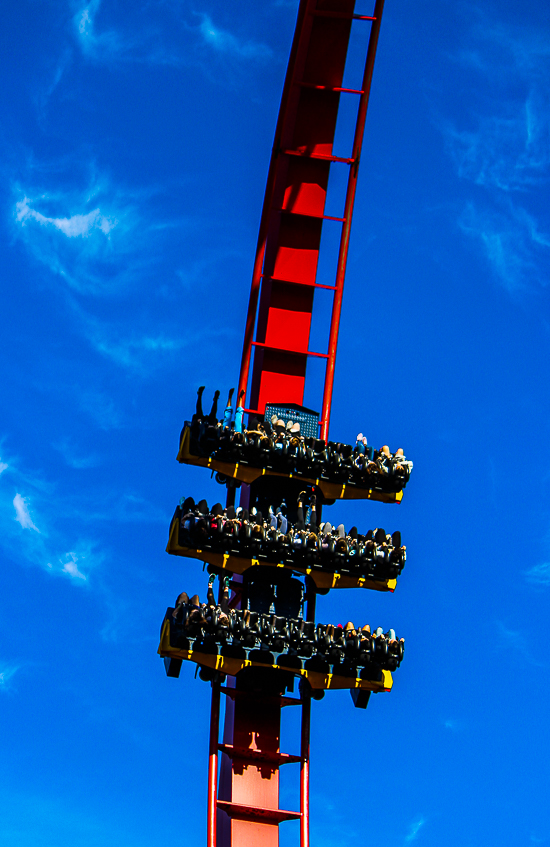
(289, 598)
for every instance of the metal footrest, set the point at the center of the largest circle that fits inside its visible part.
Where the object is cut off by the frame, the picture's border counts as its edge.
(258, 755)
(252, 813)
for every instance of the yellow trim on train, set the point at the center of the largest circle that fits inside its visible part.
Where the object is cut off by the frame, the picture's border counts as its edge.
(244, 473)
(239, 564)
(231, 666)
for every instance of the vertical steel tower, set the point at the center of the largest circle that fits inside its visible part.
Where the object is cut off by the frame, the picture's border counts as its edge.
(243, 788)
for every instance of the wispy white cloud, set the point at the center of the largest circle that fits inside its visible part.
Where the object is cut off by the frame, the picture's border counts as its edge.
(123, 507)
(223, 41)
(74, 457)
(92, 241)
(142, 45)
(506, 150)
(539, 574)
(43, 95)
(73, 227)
(42, 547)
(102, 408)
(92, 247)
(512, 242)
(94, 45)
(131, 351)
(7, 672)
(69, 565)
(22, 514)
(3, 467)
(497, 48)
(84, 20)
(414, 829)
(338, 826)
(517, 642)
(137, 349)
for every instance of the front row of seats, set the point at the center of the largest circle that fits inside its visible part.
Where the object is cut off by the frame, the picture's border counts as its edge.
(312, 458)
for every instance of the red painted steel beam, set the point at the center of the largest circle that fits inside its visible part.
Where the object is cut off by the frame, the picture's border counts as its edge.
(348, 212)
(305, 733)
(264, 221)
(213, 765)
(285, 268)
(254, 775)
(304, 773)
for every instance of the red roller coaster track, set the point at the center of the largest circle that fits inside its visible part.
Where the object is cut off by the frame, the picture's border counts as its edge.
(285, 266)
(243, 809)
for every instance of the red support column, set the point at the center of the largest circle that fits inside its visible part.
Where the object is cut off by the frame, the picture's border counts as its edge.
(213, 765)
(249, 813)
(281, 303)
(255, 783)
(304, 771)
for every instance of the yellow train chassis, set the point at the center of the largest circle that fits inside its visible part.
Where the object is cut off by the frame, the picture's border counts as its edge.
(246, 473)
(232, 666)
(324, 580)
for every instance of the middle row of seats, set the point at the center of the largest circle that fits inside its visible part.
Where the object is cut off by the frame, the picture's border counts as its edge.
(239, 532)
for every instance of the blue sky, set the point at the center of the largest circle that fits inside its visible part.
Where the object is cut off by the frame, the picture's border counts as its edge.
(134, 142)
